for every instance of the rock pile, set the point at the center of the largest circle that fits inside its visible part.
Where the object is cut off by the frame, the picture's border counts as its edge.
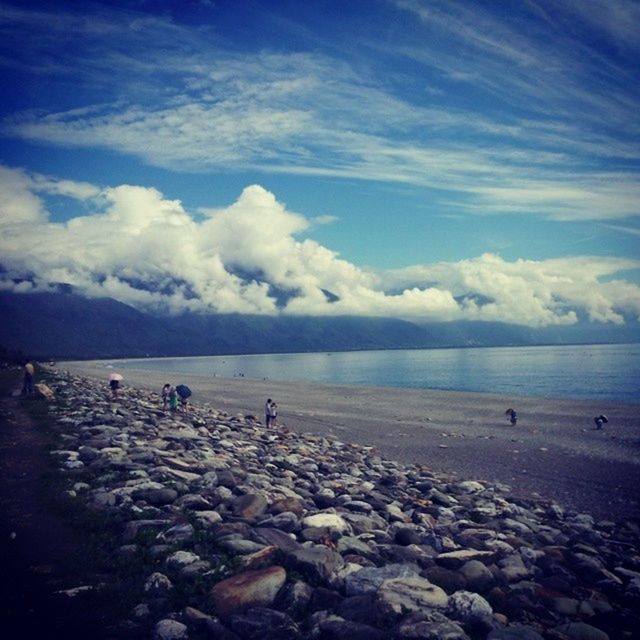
(248, 533)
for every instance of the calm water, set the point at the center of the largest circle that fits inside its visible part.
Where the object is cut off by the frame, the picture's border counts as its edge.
(606, 372)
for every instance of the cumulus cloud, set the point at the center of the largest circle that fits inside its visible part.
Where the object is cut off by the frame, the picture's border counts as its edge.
(135, 245)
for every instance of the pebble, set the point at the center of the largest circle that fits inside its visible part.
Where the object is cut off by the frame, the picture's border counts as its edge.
(250, 532)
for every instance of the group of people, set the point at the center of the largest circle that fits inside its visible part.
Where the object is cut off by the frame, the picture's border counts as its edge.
(172, 399)
(270, 413)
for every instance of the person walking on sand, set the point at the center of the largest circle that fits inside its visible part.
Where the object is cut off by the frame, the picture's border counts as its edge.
(513, 417)
(27, 381)
(273, 414)
(267, 412)
(165, 396)
(114, 384)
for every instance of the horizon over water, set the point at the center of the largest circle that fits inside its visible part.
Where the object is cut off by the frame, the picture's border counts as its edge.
(594, 372)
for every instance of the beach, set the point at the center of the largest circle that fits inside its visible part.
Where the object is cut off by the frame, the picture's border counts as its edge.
(554, 451)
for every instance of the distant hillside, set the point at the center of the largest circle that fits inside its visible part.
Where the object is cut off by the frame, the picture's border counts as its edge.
(65, 325)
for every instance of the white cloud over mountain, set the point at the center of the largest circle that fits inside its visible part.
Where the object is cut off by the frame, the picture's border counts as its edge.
(254, 256)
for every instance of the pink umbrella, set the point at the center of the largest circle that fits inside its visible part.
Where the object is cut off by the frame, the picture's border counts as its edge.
(115, 376)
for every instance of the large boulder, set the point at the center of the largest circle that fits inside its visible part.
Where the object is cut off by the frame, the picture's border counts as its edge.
(469, 608)
(316, 563)
(246, 590)
(400, 596)
(330, 521)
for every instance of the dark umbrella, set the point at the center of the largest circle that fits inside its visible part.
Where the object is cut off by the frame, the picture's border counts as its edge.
(183, 391)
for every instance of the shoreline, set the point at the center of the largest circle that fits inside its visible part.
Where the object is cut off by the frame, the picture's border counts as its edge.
(554, 451)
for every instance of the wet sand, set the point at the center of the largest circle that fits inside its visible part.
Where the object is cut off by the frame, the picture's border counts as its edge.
(554, 451)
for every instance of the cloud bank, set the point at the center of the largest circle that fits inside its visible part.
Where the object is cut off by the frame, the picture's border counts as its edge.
(254, 256)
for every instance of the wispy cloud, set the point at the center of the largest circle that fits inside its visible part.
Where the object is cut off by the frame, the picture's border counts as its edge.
(179, 98)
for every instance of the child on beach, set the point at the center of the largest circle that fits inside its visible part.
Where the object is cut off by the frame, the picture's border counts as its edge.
(173, 399)
(165, 396)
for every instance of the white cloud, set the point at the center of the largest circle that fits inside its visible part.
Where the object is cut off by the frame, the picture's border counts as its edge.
(139, 247)
(18, 204)
(194, 105)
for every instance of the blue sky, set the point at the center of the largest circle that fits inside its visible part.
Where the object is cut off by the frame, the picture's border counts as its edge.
(422, 159)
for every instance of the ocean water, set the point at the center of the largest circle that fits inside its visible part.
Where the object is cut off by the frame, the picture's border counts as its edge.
(595, 372)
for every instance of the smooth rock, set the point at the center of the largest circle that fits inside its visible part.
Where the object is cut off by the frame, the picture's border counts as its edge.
(257, 588)
(170, 630)
(400, 596)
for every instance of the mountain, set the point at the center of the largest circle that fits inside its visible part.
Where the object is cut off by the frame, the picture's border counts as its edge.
(66, 325)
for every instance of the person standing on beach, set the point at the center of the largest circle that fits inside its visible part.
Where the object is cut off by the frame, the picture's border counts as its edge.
(273, 414)
(173, 399)
(27, 382)
(600, 420)
(267, 412)
(165, 396)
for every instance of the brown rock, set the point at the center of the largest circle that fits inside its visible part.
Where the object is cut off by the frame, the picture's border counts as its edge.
(44, 391)
(246, 590)
(249, 506)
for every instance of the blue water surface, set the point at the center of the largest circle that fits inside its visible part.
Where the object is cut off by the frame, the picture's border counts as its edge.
(596, 372)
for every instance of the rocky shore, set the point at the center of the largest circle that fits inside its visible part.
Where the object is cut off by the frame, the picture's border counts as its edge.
(243, 532)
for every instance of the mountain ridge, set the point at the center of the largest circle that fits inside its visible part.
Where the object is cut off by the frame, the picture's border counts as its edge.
(65, 325)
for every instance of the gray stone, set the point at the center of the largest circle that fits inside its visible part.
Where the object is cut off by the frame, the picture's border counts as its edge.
(261, 623)
(469, 608)
(158, 584)
(156, 497)
(339, 629)
(426, 630)
(581, 631)
(397, 597)
(477, 575)
(456, 559)
(369, 579)
(179, 533)
(168, 629)
(181, 559)
(514, 632)
(318, 562)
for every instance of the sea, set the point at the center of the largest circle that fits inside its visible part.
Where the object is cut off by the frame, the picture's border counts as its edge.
(608, 372)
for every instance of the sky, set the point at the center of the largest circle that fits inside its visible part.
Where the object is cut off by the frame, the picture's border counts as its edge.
(429, 160)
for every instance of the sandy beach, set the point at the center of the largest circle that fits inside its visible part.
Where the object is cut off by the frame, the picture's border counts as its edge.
(554, 451)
